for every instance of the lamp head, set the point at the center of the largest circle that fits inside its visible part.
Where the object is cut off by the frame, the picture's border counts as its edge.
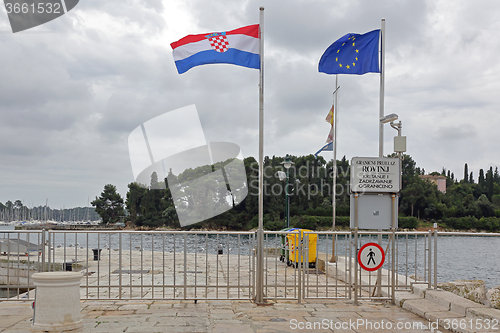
(389, 118)
(287, 163)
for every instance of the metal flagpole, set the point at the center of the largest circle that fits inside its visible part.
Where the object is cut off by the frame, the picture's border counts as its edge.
(381, 126)
(382, 83)
(259, 285)
(334, 148)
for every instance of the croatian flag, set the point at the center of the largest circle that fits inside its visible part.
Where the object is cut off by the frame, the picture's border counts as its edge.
(238, 47)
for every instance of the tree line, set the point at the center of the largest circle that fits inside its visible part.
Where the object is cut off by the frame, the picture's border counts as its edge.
(465, 205)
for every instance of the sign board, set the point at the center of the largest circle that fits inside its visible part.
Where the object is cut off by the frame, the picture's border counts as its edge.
(375, 174)
(374, 211)
(371, 257)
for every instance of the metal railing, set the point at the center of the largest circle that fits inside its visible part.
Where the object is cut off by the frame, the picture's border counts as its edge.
(159, 264)
(202, 265)
(21, 255)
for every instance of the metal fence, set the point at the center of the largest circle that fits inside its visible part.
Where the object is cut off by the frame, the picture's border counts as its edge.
(160, 264)
(200, 265)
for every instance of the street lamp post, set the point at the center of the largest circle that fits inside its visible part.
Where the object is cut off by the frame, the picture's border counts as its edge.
(399, 148)
(399, 141)
(287, 164)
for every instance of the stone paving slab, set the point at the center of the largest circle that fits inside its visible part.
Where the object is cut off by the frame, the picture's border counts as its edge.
(484, 313)
(454, 302)
(226, 317)
(422, 306)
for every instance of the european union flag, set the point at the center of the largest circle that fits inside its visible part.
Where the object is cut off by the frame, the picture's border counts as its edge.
(352, 54)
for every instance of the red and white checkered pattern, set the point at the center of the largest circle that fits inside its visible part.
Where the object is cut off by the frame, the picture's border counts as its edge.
(219, 43)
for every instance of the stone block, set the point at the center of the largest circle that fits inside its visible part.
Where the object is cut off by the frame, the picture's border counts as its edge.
(402, 296)
(420, 289)
(454, 302)
(493, 297)
(473, 290)
(421, 307)
(484, 313)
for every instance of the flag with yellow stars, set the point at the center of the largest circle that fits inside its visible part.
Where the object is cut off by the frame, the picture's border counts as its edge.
(352, 54)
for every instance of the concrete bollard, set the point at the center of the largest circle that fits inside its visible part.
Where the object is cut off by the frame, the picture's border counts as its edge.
(57, 302)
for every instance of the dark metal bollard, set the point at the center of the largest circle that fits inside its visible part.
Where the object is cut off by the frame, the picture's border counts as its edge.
(97, 254)
(220, 249)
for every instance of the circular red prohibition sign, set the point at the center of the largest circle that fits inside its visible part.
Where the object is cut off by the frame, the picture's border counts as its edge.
(371, 257)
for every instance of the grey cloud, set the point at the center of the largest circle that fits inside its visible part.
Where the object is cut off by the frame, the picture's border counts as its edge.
(458, 132)
(70, 98)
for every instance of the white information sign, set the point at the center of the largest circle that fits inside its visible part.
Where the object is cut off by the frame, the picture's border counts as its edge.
(375, 174)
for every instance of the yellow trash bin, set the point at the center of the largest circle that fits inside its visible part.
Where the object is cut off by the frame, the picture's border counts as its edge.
(293, 244)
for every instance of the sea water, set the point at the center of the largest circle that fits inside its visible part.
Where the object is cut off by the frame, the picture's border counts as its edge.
(459, 257)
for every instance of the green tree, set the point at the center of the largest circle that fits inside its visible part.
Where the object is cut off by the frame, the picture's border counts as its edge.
(480, 180)
(489, 183)
(109, 205)
(485, 206)
(133, 202)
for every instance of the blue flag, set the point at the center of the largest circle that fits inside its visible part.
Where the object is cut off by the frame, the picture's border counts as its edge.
(352, 54)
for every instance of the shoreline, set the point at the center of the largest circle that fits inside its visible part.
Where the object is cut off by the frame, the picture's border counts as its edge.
(83, 227)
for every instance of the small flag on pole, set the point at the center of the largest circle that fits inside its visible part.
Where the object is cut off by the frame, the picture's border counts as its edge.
(352, 54)
(330, 136)
(327, 147)
(238, 47)
(329, 119)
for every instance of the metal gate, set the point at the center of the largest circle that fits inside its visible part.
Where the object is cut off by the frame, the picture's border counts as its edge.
(320, 273)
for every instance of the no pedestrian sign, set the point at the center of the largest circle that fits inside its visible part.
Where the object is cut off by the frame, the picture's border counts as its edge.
(371, 257)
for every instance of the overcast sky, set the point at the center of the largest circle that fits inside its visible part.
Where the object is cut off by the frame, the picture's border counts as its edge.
(73, 89)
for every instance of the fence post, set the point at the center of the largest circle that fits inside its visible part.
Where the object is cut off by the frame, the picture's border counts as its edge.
(299, 263)
(393, 250)
(378, 288)
(429, 272)
(49, 251)
(435, 257)
(350, 264)
(43, 250)
(186, 268)
(356, 286)
(252, 273)
(259, 280)
(119, 263)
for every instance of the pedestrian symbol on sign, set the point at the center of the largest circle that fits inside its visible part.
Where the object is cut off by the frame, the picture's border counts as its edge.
(371, 256)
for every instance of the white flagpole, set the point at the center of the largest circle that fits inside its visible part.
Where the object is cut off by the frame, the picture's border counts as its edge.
(381, 126)
(382, 83)
(334, 148)
(259, 294)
